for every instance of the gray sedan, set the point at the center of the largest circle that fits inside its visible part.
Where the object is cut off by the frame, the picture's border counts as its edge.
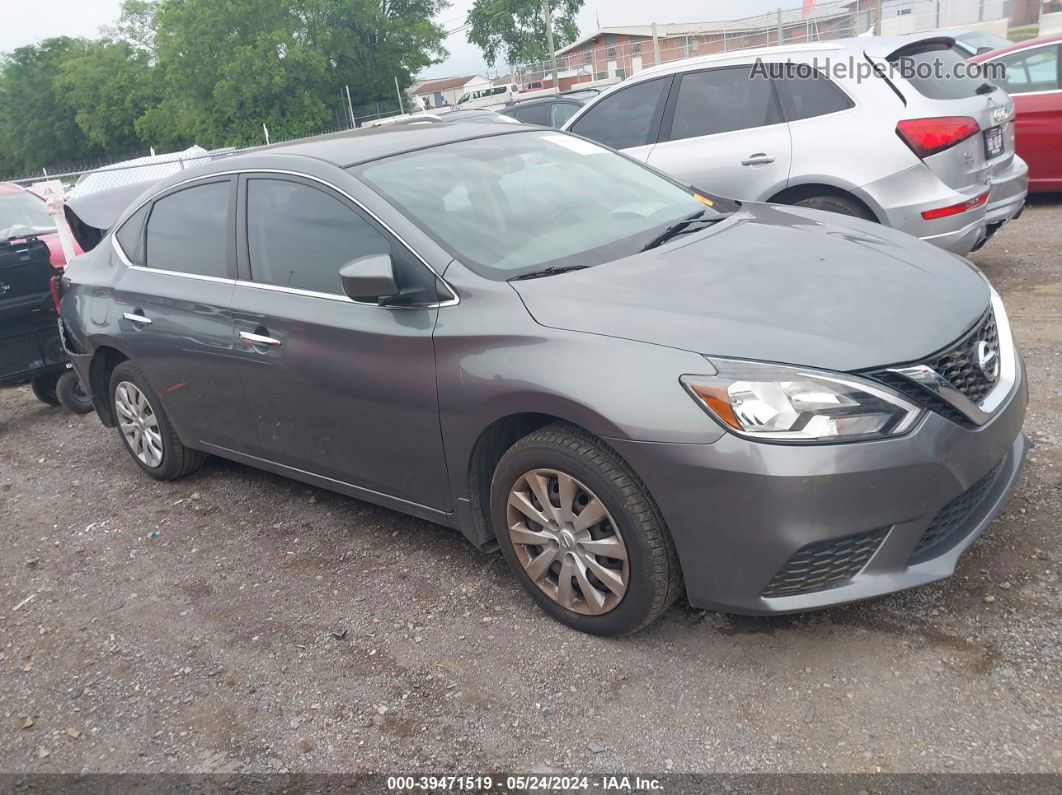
(634, 390)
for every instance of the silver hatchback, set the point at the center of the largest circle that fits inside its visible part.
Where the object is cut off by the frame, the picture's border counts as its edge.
(887, 129)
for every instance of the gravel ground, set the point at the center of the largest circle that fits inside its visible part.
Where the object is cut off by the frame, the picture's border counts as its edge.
(237, 621)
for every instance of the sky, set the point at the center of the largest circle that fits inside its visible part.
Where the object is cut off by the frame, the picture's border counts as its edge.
(27, 21)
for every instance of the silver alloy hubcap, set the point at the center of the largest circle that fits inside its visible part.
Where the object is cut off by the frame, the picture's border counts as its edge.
(567, 542)
(138, 424)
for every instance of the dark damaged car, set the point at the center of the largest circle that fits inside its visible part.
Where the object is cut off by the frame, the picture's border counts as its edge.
(633, 389)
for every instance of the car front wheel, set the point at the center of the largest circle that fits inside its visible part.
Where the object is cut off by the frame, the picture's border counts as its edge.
(582, 534)
(145, 428)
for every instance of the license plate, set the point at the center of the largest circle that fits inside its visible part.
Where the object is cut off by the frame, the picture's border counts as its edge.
(994, 142)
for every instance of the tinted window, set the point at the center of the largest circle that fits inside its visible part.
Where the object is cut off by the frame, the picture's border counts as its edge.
(625, 118)
(816, 95)
(299, 236)
(188, 231)
(1033, 70)
(536, 114)
(924, 67)
(721, 100)
(129, 237)
(560, 112)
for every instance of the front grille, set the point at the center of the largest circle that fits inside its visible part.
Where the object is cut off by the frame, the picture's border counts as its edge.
(825, 564)
(952, 519)
(958, 365)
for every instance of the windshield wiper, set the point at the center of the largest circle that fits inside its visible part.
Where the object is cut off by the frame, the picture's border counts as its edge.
(678, 228)
(550, 271)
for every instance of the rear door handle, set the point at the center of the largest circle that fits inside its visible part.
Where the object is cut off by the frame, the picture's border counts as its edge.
(136, 317)
(258, 339)
(760, 159)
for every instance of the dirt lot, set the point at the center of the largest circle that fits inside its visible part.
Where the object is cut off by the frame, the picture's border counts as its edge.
(237, 621)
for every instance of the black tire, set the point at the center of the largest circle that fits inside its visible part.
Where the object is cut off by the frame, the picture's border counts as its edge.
(44, 388)
(71, 396)
(177, 460)
(836, 204)
(654, 576)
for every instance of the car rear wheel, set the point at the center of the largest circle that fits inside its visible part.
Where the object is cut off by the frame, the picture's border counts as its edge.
(836, 204)
(71, 395)
(44, 388)
(581, 533)
(145, 428)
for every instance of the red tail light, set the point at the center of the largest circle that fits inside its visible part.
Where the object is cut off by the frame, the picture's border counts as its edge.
(955, 209)
(928, 136)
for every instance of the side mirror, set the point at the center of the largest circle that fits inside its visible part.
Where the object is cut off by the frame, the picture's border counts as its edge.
(369, 279)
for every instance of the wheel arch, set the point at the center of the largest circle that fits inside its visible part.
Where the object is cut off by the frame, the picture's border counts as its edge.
(795, 193)
(104, 359)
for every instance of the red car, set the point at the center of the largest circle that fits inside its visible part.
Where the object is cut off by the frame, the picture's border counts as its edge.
(1034, 81)
(23, 213)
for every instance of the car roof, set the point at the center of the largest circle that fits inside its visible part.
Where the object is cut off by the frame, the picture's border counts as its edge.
(524, 103)
(353, 147)
(1021, 45)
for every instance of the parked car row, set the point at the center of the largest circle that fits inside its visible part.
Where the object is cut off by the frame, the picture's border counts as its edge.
(634, 388)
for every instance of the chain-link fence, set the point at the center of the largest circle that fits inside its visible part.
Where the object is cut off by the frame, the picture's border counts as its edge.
(616, 53)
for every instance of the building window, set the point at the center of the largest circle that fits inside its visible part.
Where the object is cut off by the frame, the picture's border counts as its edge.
(610, 46)
(636, 48)
(588, 56)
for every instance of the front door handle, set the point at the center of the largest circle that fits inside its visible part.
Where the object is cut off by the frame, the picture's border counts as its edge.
(258, 339)
(136, 317)
(759, 159)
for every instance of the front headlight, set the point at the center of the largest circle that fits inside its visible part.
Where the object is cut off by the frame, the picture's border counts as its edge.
(795, 404)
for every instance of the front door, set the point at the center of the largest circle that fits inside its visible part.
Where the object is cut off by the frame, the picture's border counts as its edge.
(723, 132)
(339, 389)
(172, 306)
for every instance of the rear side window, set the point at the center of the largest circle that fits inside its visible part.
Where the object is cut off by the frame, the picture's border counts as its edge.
(626, 118)
(1032, 70)
(129, 236)
(722, 100)
(805, 97)
(536, 114)
(936, 71)
(188, 231)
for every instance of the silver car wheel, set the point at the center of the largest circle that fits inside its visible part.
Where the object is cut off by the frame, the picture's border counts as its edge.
(138, 424)
(567, 543)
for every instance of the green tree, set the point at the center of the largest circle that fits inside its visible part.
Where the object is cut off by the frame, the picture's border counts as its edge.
(514, 31)
(36, 127)
(109, 86)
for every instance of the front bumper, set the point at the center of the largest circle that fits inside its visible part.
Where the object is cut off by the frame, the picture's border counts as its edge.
(740, 512)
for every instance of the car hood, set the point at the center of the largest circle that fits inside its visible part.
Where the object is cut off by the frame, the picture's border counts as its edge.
(774, 283)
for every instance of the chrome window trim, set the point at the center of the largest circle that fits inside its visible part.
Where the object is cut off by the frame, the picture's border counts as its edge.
(931, 380)
(343, 299)
(144, 269)
(454, 299)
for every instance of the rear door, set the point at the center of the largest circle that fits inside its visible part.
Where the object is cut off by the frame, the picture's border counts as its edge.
(942, 88)
(723, 131)
(339, 389)
(171, 304)
(1034, 81)
(627, 119)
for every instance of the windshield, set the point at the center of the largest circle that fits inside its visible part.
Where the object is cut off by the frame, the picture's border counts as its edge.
(510, 205)
(23, 214)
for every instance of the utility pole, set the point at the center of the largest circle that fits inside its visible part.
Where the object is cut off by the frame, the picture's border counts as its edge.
(549, 43)
(350, 108)
(656, 47)
(401, 108)
(781, 35)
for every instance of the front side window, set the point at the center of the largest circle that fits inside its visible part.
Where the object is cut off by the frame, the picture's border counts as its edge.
(626, 118)
(1033, 70)
(299, 236)
(560, 112)
(808, 96)
(509, 205)
(722, 100)
(188, 231)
